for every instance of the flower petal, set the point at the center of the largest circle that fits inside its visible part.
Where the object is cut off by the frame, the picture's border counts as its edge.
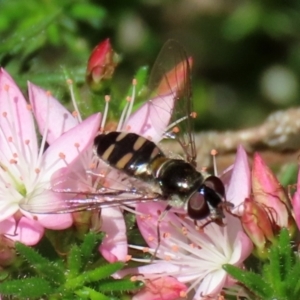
(114, 245)
(16, 120)
(26, 231)
(211, 285)
(66, 148)
(50, 113)
(239, 187)
(152, 119)
(163, 288)
(148, 224)
(242, 248)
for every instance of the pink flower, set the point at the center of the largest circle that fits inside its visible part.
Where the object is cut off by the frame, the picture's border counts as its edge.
(26, 168)
(77, 177)
(164, 288)
(192, 256)
(296, 202)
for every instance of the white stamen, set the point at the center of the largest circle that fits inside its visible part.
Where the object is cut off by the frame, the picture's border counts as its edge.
(71, 89)
(131, 100)
(121, 121)
(107, 99)
(175, 123)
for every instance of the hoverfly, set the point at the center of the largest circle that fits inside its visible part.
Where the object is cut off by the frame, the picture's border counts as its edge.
(142, 162)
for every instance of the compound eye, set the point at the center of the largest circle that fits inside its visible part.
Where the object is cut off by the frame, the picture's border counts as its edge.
(197, 207)
(215, 184)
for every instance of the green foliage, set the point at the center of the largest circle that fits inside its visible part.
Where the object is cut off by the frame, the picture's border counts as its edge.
(278, 277)
(81, 273)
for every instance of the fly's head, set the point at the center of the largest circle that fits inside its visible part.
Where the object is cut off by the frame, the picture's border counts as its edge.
(208, 201)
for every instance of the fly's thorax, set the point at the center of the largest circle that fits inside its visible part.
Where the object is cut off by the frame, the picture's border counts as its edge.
(128, 152)
(178, 178)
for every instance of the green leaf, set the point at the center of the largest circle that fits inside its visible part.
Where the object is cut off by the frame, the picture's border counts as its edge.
(93, 275)
(90, 242)
(280, 263)
(41, 265)
(254, 282)
(103, 271)
(120, 285)
(30, 287)
(89, 293)
(19, 41)
(74, 261)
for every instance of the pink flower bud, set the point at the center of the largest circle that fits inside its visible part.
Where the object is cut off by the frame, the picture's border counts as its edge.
(268, 191)
(258, 225)
(101, 64)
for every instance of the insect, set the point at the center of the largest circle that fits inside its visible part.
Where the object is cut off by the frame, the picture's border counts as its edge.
(137, 157)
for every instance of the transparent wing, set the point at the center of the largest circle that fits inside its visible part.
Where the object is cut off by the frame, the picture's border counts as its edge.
(170, 80)
(70, 194)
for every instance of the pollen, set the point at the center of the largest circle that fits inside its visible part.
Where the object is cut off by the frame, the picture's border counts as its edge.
(37, 170)
(213, 152)
(134, 81)
(35, 218)
(175, 248)
(4, 114)
(6, 87)
(75, 113)
(183, 294)
(10, 139)
(128, 128)
(128, 98)
(175, 129)
(77, 145)
(184, 230)
(133, 278)
(13, 161)
(128, 258)
(15, 155)
(27, 142)
(150, 238)
(29, 107)
(145, 249)
(193, 115)
(107, 98)
(92, 166)
(62, 155)
(167, 258)
(166, 235)
(48, 93)
(69, 81)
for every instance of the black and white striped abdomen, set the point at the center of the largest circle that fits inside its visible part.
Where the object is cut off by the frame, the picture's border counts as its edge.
(128, 152)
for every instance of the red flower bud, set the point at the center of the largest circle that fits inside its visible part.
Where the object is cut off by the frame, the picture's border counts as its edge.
(268, 191)
(101, 64)
(258, 225)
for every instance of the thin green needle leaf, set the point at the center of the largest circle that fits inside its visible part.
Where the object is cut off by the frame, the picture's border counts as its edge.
(42, 266)
(88, 293)
(30, 287)
(121, 285)
(251, 280)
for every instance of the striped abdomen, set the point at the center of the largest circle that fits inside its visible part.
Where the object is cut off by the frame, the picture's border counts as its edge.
(128, 152)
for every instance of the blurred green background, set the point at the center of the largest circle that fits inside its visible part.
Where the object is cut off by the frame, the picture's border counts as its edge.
(246, 53)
